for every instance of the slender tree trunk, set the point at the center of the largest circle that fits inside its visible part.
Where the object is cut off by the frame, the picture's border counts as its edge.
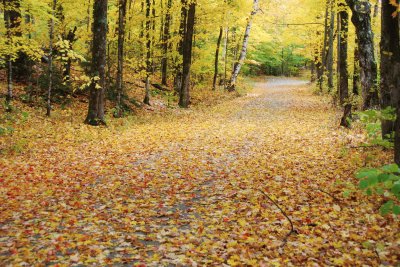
(343, 79)
(48, 112)
(184, 96)
(242, 57)
(318, 61)
(356, 69)
(95, 114)
(8, 27)
(70, 37)
(121, 41)
(226, 45)
(221, 31)
(182, 34)
(330, 48)
(361, 19)
(148, 53)
(166, 38)
(324, 51)
(390, 63)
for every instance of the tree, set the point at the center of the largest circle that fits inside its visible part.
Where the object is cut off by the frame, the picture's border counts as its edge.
(51, 37)
(390, 63)
(343, 75)
(184, 94)
(12, 21)
(148, 54)
(182, 34)
(242, 57)
(217, 58)
(121, 41)
(95, 114)
(361, 19)
(166, 36)
(329, 62)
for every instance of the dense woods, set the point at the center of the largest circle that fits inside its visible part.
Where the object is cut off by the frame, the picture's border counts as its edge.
(196, 132)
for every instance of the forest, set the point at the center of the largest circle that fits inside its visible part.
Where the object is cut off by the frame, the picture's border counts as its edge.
(200, 133)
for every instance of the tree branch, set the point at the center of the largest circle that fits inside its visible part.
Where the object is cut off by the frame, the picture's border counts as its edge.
(292, 230)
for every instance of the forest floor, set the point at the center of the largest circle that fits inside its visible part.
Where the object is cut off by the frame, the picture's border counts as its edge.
(216, 186)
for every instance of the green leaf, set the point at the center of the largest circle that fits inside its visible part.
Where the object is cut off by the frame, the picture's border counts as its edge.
(369, 192)
(373, 180)
(367, 173)
(396, 210)
(386, 208)
(396, 189)
(391, 168)
(380, 191)
(363, 184)
(383, 177)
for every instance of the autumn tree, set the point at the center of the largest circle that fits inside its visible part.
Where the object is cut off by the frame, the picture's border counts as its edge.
(121, 42)
(51, 37)
(361, 19)
(390, 62)
(242, 57)
(184, 94)
(95, 114)
(343, 75)
(12, 21)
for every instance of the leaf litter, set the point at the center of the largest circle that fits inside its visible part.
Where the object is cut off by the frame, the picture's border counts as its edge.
(254, 181)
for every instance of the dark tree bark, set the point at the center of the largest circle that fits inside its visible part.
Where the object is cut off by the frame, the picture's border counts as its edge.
(121, 43)
(361, 19)
(51, 36)
(318, 61)
(324, 50)
(342, 56)
(148, 53)
(390, 63)
(8, 26)
(182, 34)
(242, 57)
(329, 62)
(343, 79)
(184, 94)
(71, 38)
(356, 72)
(95, 114)
(166, 37)
(221, 31)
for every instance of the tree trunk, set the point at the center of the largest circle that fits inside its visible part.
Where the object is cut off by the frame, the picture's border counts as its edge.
(148, 53)
(343, 79)
(70, 37)
(361, 19)
(8, 27)
(95, 114)
(51, 36)
(390, 63)
(221, 31)
(324, 51)
(226, 44)
(182, 34)
(242, 57)
(121, 41)
(184, 96)
(330, 49)
(356, 69)
(166, 37)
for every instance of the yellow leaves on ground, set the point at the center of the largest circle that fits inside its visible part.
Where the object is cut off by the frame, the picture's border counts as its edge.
(183, 188)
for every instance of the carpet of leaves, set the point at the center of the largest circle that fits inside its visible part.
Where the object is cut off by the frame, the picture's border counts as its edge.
(194, 188)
